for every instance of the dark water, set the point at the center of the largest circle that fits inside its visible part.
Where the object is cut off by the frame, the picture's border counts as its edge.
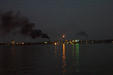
(56, 60)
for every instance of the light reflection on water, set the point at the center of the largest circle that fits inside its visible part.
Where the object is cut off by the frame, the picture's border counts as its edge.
(62, 53)
(55, 60)
(64, 58)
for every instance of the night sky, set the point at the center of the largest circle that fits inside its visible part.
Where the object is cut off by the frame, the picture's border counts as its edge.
(89, 19)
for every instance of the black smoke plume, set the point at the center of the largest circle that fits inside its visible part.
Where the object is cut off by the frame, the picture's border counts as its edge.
(10, 21)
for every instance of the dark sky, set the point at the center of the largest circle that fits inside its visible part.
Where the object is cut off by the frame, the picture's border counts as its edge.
(54, 17)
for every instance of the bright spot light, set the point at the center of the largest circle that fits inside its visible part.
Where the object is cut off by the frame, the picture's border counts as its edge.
(55, 43)
(45, 42)
(63, 36)
(76, 40)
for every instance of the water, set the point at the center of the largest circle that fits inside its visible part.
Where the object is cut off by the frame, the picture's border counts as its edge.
(56, 60)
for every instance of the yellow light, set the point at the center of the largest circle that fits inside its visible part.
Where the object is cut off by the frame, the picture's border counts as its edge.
(55, 43)
(45, 42)
(66, 40)
(13, 42)
(70, 42)
(73, 40)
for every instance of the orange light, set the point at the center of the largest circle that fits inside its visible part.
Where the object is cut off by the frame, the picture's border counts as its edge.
(64, 58)
(64, 50)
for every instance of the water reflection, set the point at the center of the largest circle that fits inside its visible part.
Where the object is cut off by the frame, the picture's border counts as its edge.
(13, 50)
(55, 52)
(12, 66)
(77, 57)
(65, 53)
(8, 61)
(64, 58)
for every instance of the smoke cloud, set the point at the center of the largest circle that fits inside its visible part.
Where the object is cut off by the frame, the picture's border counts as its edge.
(10, 21)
